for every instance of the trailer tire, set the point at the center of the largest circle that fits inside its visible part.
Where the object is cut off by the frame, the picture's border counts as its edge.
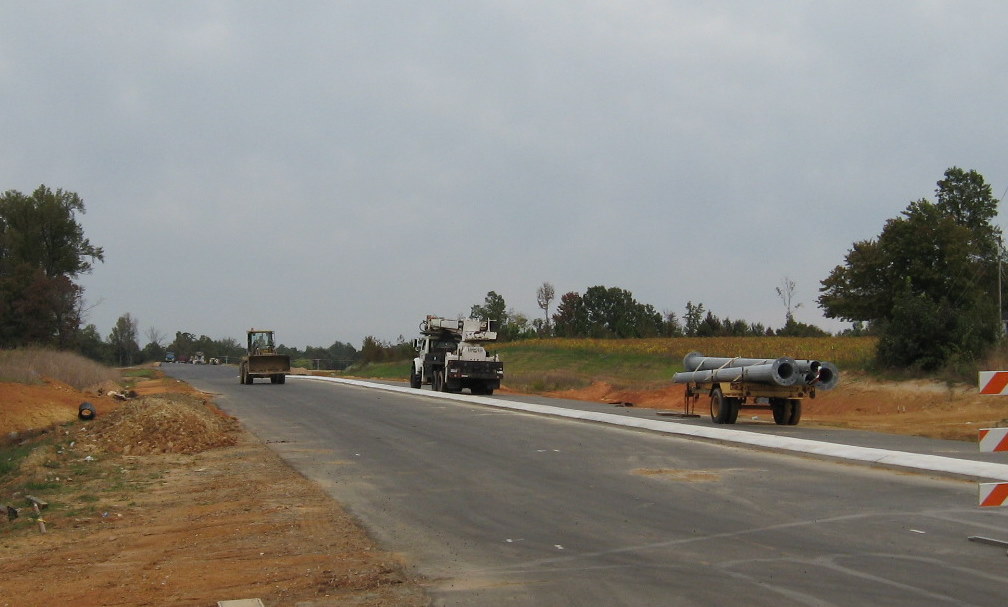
(783, 409)
(720, 409)
(795, 416)
(734, 404)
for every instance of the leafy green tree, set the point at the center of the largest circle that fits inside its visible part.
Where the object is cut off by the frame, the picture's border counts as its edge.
(518, 327)
(793, 328)
(42, 250)
(184, 345)
(493, 308)
(571, 317)
(692, 319)
(42, 231)
(613, 312)
(90, 344)
(123, 340)
(928, 281)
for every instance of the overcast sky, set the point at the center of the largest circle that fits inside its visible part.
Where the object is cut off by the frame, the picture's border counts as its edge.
(333, 170)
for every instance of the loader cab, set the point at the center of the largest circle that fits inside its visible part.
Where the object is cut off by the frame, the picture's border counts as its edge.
(260, 342)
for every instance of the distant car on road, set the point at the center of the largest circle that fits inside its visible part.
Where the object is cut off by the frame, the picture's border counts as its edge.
(169, 357)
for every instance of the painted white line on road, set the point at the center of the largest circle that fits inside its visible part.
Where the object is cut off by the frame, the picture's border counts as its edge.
(883, 457)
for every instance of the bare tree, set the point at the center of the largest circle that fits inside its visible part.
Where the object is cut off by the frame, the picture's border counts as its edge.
(786, 291)
(544, 295)
(154, 336)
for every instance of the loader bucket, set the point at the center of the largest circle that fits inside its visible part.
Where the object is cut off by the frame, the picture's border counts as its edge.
(269, 363)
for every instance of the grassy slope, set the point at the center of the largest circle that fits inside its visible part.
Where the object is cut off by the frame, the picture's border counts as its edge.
(558, 364)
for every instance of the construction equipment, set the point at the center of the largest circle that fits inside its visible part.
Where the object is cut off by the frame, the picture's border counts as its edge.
(262, 360)
(755, 383)
(451, 357)
(199, 359)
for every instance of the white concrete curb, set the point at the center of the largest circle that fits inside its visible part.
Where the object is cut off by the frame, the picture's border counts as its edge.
(883, 457)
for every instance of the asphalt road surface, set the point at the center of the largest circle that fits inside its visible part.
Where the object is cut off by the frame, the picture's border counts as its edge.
(502, 508)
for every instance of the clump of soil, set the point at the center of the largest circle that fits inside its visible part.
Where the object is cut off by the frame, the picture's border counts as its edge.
(173, 423)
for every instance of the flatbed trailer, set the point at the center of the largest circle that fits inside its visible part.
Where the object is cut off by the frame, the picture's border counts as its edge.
(728, 398)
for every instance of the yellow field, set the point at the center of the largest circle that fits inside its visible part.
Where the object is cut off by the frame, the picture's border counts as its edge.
(842, 351)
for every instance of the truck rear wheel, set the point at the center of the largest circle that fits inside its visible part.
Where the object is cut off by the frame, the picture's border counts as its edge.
(437, 382)
(721, 408)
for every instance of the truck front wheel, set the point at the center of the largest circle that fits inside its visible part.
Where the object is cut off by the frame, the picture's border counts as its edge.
(414, 378)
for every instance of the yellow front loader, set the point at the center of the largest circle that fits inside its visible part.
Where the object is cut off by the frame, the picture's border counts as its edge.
(262, 360)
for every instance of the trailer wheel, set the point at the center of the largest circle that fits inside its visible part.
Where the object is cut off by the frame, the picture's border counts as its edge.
(782, 409)
(795, 412)
(734, 404)
(720, 409)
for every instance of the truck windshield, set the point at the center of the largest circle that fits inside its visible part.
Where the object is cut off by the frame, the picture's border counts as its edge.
(445, 344)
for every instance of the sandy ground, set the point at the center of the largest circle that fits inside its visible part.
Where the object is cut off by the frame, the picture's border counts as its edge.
(164, 500)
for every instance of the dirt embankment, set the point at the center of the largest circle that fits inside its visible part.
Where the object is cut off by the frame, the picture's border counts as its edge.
(922, 408)
(164, 500)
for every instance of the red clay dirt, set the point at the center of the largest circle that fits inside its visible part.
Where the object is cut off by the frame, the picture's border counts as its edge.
(921, 407)
(165, 500)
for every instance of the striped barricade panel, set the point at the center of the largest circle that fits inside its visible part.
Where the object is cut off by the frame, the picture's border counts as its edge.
(993, 494)
(994, 382)
(993, 439)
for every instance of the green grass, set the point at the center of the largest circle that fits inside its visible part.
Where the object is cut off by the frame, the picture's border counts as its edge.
(388, 370)
(543, 368)
(11, 458)
(544, 365)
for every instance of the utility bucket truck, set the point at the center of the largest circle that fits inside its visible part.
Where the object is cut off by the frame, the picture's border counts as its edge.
(262, 359)
(450, 357)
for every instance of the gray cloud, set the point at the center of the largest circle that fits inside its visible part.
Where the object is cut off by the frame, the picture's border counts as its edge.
(335, 170)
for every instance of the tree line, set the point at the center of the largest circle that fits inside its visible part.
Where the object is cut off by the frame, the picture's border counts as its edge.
(928, 286)
(122, 348)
